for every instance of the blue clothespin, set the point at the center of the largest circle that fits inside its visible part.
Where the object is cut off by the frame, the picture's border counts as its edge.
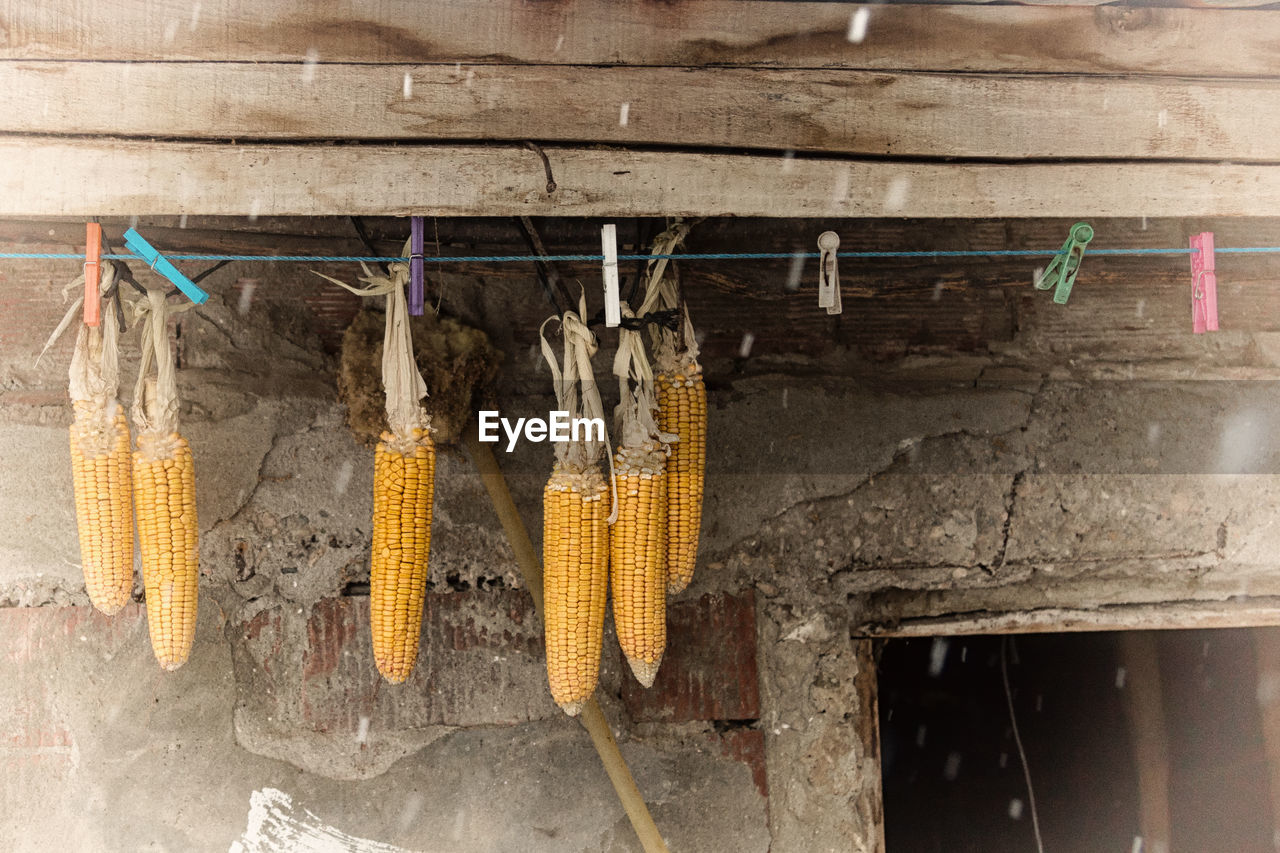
(1060, 274)
(416, 264)
(161, 264)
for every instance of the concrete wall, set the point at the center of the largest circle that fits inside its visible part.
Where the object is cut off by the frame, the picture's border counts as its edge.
(843, 497)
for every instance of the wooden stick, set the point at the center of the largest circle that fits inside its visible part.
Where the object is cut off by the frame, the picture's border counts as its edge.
(1266, 644)
(1149, 736)
(592, 718)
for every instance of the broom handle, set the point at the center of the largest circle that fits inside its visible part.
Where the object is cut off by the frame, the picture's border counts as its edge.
(592, 717)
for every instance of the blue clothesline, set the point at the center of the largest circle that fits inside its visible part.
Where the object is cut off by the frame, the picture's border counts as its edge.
(684, 256)
(517, 259)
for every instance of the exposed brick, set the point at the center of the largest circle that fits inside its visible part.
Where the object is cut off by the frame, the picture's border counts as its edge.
(265, 638)
(29, 632)
(709, 669)
(331, 627)
(747, 746)
(37, 746)
(480, 662)
(332, 310)
(331, 307)
(31, 305)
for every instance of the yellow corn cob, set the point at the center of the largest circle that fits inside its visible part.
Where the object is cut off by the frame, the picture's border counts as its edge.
(164, 491)
(682, 410)
(100, 467)
(638, 558)
(575, 581)
(403, 491)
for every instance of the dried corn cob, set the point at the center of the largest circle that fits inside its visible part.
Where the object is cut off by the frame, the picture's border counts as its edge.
(575, 582)
(403, 491)
(638, 557)
(682, 408)
(100, 466)
(164, 488)
(164, 495)
(100, 459)
(576, 506)
(638, 541)
(682, 411)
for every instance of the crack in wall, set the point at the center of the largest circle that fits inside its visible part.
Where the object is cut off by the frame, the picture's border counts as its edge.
(905, 451)
(999, 562)
(261, 478)
(1018, 478)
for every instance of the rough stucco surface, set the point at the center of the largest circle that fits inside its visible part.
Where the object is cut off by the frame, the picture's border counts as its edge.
(842, 500)
(120, 757)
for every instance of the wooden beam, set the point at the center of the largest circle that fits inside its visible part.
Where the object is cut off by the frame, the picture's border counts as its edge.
(1266, 643)
(1180, 615)
(850, 112)
(694, 32)
(42, 176)
(867, 725)
(1143, 699)
(208, 238)
(299, 234)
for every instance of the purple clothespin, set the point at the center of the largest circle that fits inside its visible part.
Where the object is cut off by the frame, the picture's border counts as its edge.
(417, 289)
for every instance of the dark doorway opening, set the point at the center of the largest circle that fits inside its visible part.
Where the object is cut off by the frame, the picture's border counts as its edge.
(1128, 736)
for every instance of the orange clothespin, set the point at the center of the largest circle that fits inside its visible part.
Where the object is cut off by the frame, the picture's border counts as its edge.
(92, 273)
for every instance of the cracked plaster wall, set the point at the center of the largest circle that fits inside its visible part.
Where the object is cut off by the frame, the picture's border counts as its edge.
(844, 498)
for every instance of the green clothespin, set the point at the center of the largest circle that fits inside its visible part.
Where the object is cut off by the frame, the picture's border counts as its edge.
(1060, 274)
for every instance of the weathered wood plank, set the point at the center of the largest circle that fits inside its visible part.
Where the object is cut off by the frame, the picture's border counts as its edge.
(1266, 643)
(1179, 615)
(694, 32)
(1148, 734)
(296, 235)
(851, 112)
(1125, 312)
(867, 723)
(41, 176)
(193, 239)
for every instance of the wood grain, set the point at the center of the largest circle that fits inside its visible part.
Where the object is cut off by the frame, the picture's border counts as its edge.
(1266, 643)
(1124, 311)
(1148, 734)
(469, 235)
(849, 112)
(1078, 37)
(1179, 615)
(42, 176)
(867, 724)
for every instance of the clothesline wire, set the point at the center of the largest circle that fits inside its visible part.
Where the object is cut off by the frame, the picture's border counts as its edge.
(684, 256)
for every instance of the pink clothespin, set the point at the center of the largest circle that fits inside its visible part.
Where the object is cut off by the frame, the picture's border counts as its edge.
(1204, 285)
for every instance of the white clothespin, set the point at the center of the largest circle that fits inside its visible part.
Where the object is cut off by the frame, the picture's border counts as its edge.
(609, 247)
(828, 272)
